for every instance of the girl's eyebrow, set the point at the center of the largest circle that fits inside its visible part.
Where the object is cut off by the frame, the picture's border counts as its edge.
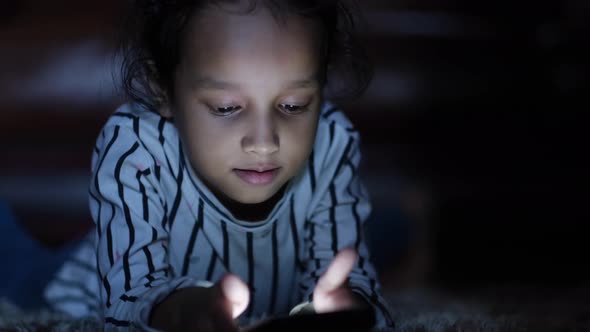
(211, 83)
(304, 83)
(206, 82)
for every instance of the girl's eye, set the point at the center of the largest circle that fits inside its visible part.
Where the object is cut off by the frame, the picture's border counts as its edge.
(226, 110)
(292, 109)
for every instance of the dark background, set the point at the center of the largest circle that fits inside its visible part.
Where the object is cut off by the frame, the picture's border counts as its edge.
(473, 131)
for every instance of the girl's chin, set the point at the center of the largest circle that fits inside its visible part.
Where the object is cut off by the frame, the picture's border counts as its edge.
(253, 199)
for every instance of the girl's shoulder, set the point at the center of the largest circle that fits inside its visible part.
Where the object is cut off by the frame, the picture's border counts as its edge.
(335, 131)
(134, 116)
(141, 124)
(337, 140)
(332, 114)
(156, 137)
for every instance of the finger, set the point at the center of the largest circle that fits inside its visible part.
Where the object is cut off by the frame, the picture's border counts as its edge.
(340, 299)
(337, 272)
(236, 292)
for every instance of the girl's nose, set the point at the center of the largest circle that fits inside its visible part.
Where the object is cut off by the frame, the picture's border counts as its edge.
(262, 138)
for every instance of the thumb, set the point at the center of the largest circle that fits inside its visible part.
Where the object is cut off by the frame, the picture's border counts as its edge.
(337, 272)
(236, 292)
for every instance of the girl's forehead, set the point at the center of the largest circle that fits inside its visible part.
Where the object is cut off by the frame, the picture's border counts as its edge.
(217, 35)
(248, 17)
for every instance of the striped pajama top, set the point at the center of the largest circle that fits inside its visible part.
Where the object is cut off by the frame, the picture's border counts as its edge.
(159, 228)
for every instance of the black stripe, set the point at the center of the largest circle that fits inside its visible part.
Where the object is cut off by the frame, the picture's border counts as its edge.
(156, 162)
(148, 257)
(144, 197)
(110, 236)
(146, 251)
(352, 167)
(151, 279)
(317, 267)
(329, 112)
(165, 216)
(250, 249)
(178, 197)
(333, 218)
(120, 323)
(106, 152)
(97, 266)
(275, 269)
(130, 116)
(225, 245)
(127, 298)
(104, 280)
(312, 240)
(157, 171)
(211, 268)
(96, 150)
(97, 186)
(169, 165)
(193, 238)
(344, 155)
(136, 126)
(172, 269)
(162, 140)
(107, 287)
(375, 300)
(312, 171)
(148, 254)
(124, 115)
(361, 261)
(98, 218)
(315, 276)
(205, 198)
(127, 213)
(161, 124)
(357, 219)
(311, 250)
(295, 234)
(332, 128)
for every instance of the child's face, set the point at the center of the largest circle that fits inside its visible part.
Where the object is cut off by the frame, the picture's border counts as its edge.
(247, 98)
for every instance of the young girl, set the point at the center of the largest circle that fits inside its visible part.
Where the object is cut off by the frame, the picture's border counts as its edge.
(228, 186)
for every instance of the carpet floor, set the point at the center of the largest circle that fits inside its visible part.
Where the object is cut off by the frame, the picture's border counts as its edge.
(501, 309)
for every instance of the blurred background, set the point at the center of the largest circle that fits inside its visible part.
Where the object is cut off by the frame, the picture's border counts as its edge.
(473, 132)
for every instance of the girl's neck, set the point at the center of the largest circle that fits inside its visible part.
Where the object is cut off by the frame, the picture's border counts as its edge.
(251, 212)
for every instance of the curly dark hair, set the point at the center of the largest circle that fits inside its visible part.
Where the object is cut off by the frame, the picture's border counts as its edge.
(153, 30)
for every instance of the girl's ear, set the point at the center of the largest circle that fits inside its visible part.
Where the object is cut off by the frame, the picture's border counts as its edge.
(162, 102)
(165, 110)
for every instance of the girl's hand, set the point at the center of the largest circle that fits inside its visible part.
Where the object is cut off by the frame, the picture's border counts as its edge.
(332, 292)
(203, 309)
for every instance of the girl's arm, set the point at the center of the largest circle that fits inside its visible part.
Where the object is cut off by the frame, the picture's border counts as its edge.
(337, 222)
(129, 209)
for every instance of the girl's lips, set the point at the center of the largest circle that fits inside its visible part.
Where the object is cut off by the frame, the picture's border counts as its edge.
(257, 178)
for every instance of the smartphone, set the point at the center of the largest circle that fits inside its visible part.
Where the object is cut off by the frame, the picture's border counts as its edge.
(360, 320)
